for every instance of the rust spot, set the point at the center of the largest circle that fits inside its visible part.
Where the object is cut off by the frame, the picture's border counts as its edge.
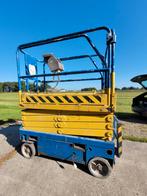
(6, 157)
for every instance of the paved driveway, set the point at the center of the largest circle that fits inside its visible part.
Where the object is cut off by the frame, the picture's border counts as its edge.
(45, 177)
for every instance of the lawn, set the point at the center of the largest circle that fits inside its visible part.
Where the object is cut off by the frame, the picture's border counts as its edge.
(124, 100)
(9, 104)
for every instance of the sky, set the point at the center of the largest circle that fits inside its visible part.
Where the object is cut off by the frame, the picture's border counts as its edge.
(23, 21)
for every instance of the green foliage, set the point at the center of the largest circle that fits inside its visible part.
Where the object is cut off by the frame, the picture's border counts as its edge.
(130, 88)
(13, 86)
(8, 87)
(89, 89)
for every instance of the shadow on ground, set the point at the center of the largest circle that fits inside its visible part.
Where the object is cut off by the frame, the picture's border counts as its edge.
(131, 117)
(7, 121)
(11, 134)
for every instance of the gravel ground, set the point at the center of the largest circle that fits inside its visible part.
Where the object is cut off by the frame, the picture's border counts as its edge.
(134, 126)
(43, 176)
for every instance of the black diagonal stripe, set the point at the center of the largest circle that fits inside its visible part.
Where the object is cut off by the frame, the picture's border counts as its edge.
(41, 99)
(119, 144)
(119, 134)
(58, 99)
(67, 99)
(98, 98)
(88, 99)
(28, 100)
(33, 98)
(50, 100)
(77, 99)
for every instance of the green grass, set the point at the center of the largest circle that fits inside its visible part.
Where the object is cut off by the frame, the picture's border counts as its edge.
(124, 100)
(135, 139)
(9, 106)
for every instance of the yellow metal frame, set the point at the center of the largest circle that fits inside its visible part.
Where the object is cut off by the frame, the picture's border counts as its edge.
(72, 113)
(69, 122)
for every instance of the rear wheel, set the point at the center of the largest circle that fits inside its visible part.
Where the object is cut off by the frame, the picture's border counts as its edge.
(99, 167)
(28, 150)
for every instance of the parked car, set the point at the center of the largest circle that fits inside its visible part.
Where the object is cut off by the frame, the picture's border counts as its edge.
(139, 104)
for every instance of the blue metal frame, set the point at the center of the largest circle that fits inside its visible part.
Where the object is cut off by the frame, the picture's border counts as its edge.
(71, 148)
(107, 60)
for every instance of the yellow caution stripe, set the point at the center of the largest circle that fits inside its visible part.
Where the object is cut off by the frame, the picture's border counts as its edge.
(119, 141)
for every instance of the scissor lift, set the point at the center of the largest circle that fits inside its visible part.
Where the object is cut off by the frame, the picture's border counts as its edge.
(75, 126)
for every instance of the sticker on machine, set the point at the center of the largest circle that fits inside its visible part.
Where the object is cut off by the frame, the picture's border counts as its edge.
(32, 69)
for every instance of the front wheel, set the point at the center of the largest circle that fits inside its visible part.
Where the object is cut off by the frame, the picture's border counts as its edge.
(99, 167)
(28, 150)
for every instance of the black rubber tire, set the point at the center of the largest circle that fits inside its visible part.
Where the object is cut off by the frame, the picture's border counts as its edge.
(28, 150)
(99, 167)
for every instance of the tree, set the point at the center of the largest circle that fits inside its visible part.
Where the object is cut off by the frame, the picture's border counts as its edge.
(89, 89)
(130, 88)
